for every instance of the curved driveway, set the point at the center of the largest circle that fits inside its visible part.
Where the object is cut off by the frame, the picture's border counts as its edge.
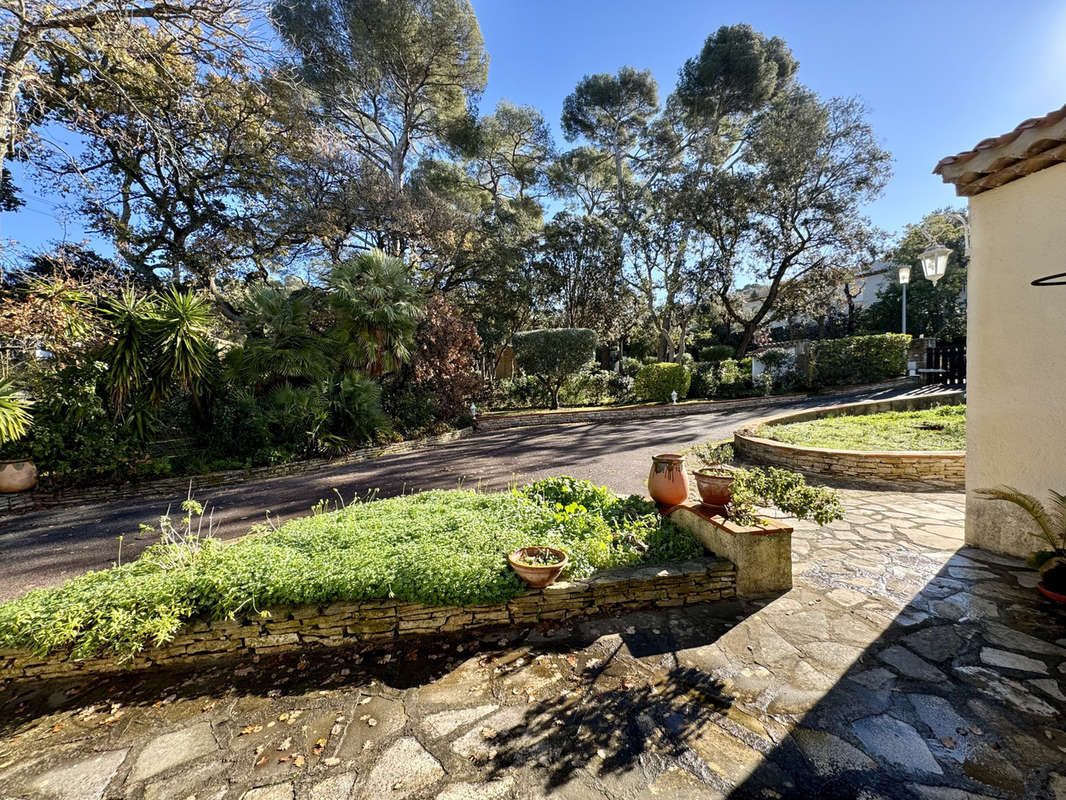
(45, 547)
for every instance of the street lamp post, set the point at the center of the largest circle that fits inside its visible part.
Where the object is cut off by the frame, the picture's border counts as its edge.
(904, 279)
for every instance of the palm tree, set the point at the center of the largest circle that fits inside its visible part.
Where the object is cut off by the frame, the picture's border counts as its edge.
(15, 417)
(281, 348)
(377, 311)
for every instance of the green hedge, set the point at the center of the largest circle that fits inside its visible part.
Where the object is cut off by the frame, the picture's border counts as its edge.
(859, 359)
(656, 381)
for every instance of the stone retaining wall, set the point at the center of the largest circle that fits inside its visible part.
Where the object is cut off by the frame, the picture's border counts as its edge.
(380, 622)
(44, 498)
(938, 467)
(525, 419)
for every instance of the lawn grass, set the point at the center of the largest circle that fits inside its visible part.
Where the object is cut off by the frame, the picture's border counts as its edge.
(439, 547)
(939, 428)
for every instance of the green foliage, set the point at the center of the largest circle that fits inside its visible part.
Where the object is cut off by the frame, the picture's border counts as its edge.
(859, 359)
(734, 380)
(162, 345)
(785, 490)
(75, 438)
(15, 417)
(554, 354)
(940, 428)
(712, 454)
(376, 312)
(704, 380)
(715, 353)
(631, 366)
(440, 548)
(738, 71)
(656, 382)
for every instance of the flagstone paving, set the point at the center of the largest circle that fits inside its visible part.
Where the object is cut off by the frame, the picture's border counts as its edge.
(902, 665)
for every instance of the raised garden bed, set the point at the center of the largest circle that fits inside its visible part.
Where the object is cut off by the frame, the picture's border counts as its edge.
(937, 467)
(429, 563)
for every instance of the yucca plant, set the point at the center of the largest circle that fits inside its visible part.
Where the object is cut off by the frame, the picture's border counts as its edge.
(15, 417)
(1050, 521)
(184, 350)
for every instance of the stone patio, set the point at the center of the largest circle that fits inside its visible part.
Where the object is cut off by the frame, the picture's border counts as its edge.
(900, 666)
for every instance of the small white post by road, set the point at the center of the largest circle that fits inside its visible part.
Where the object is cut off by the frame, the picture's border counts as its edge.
(673, 397)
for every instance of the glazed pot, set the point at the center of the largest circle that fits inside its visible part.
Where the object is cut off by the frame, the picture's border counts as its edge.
(537, 575)
(17, 476)
(715, 488)
(667, 481)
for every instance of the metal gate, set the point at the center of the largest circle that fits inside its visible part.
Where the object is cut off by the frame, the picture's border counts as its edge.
(945, 363)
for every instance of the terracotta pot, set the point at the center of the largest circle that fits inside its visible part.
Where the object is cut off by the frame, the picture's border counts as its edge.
(17, 476)
(1050, 595)
(667, 481)
(537, 576)
(715, 488)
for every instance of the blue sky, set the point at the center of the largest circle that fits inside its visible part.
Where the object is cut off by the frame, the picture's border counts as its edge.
(937, 76)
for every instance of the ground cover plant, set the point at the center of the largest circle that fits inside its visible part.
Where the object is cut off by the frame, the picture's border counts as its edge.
(439, 547)
(940, 428)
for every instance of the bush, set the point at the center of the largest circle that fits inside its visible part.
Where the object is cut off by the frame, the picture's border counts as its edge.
(523, 391)
(715, 353)
(631, 366)
(74, 439)
(859, 359)
(733, 379)
(704, 380)
(554, 354)
(588, 388)
(685, 360)
(655, 382)
(785, 490)
(440, 548)
(444, 366)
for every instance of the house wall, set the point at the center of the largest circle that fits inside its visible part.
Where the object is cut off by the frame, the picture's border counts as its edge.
(1016, 354)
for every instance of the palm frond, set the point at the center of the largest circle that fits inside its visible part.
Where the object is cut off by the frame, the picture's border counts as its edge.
(1031, 505)
(15, 417)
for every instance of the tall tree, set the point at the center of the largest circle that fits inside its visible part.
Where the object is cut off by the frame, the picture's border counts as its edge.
(35, 36)
(792, 208)
(392, 77)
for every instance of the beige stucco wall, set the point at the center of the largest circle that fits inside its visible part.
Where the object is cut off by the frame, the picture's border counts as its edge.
(1016, 354)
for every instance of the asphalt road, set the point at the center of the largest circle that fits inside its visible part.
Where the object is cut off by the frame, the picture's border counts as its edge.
(45, 547)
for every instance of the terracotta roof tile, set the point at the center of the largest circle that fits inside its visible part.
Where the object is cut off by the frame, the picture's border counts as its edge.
(998, 141)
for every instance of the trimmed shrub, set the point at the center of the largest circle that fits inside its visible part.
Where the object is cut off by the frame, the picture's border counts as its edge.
(686, 360)
(656, 381)
(859, 359)
(552, 355)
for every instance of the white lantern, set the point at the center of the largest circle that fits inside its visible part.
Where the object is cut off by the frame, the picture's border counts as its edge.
(904, 275)
(935, 262)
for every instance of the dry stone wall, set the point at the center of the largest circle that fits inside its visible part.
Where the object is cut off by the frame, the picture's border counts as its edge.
(379, 622)
(937, 467)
